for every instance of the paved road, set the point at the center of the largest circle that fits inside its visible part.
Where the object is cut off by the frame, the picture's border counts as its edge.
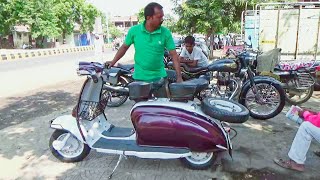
(24, 136)
(28, 74)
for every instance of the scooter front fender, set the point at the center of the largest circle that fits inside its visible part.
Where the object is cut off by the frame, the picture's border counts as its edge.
(68, 123)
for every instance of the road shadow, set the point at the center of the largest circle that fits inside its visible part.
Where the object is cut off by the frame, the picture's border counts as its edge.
(24, 149)
(20, 109)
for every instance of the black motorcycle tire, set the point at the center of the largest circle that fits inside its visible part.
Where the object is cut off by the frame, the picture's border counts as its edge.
(122, 99)
(300, 101)
(219, 110)
(55, 135)
(277, 86)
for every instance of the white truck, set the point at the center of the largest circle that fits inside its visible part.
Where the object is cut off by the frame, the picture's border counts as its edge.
(293, 27)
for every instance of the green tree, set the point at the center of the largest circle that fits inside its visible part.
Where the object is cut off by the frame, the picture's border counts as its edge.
(114, 31)
(208, 16)
(4, 17)
(68, 13)
(47, 18)
(169, 22)
(140, 16)
(88, 15)
(38, 14)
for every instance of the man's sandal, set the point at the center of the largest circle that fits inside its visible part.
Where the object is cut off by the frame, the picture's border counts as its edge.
(289, 164)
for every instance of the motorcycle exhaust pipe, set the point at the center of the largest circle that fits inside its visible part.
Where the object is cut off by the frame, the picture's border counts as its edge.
(118, 89)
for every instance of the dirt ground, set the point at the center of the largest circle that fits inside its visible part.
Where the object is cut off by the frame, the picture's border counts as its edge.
(25, 133)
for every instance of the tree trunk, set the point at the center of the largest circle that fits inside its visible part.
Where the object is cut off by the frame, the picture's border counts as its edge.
(211, 34)
(1, 41)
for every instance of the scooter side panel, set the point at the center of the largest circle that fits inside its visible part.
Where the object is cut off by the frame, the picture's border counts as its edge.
(173, 127)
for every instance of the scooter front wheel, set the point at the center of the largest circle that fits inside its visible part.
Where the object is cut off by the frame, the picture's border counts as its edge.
(73, 150)
(199, 160)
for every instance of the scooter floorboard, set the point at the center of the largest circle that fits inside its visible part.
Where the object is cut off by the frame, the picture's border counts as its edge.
(118, 132)
(131, 145)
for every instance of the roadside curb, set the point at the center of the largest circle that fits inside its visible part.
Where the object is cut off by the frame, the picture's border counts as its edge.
(46, 52)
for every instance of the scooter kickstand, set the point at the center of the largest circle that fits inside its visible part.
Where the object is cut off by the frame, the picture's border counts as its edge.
(114, 169)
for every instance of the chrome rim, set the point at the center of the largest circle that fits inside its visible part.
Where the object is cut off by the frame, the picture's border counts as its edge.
(265, 101)
(200, 158)
(72, 148)
(225, 105)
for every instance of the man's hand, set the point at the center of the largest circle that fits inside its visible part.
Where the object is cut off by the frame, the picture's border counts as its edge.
(107, 64)
(300, 113)
(176, 64)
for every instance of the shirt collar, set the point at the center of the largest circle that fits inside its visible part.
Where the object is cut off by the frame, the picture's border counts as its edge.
(143, 28)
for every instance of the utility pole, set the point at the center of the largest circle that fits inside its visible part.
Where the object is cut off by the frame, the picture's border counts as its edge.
(107, 23)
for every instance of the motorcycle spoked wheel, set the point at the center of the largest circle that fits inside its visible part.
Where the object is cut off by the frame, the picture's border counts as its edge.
(269, 102)
(300, 97)
(116, 99)
(74, 150)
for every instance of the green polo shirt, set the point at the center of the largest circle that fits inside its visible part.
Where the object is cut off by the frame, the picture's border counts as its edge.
(149, 49)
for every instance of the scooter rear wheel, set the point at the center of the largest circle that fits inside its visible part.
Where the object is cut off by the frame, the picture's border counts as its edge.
(75, 150)
(199, 160)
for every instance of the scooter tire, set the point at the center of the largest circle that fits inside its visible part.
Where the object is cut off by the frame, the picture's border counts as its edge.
(198, 165)
(218, 110)
(55, 135)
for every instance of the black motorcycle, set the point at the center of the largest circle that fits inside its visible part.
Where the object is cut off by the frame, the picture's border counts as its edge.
(116, 86)
(234, 80)
(297, 79)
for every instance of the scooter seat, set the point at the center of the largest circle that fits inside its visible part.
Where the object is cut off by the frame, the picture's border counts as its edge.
(187, 90)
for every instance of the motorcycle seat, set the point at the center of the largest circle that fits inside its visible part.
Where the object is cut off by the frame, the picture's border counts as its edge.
(194, 69)
(127, 67)
(187, 90)
(189, 69)
(294, 66)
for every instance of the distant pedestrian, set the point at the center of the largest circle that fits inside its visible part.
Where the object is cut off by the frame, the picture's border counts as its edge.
(249, 42)
(98, 48)
(216, 42)
(228, 39)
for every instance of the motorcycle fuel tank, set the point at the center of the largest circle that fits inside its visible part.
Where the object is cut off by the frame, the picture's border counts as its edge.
(224, 65)
(158, 125)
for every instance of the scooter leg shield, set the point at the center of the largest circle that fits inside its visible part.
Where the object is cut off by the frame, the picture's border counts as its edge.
(68, 123)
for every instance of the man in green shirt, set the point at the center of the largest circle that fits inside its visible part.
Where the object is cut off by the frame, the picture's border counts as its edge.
(150, 39)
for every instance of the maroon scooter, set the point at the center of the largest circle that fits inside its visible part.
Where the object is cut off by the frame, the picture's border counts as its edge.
(162, 128)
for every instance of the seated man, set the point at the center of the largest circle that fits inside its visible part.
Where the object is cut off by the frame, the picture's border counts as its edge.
(308, 130)
(191, 55)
